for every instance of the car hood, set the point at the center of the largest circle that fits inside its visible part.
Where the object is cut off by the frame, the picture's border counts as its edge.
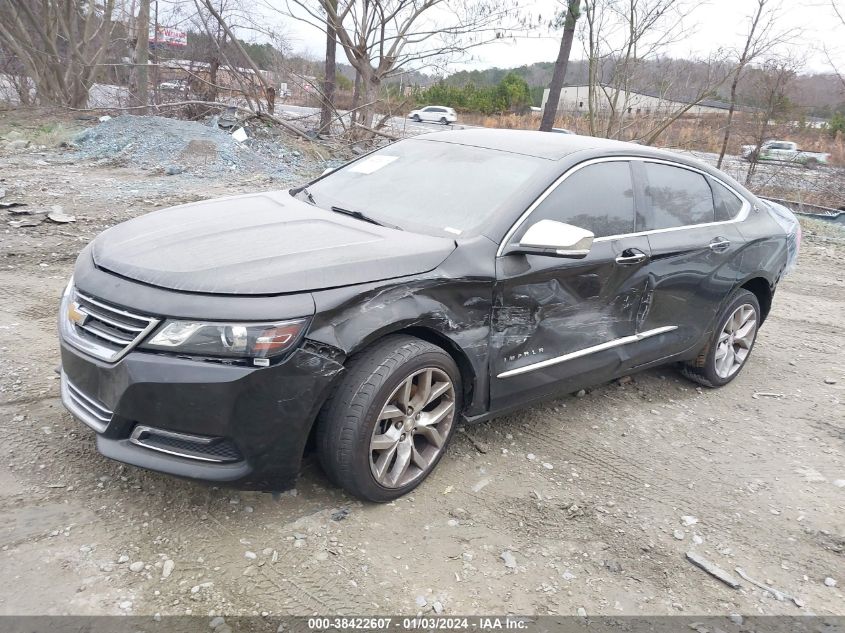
(261, 244)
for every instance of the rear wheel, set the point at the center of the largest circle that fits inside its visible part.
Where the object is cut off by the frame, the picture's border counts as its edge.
(388, 423)
(727, 352)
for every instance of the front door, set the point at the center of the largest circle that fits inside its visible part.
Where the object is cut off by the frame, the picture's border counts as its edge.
(560, 323)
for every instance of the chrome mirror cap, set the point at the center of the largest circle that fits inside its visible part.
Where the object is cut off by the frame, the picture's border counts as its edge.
(564, 240)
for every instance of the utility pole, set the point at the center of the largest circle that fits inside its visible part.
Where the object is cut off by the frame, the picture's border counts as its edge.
(142, 55)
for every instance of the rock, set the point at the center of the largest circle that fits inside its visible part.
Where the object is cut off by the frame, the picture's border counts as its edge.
(568, 575)
(137, 566)
(123, 558)
(830, 381)
(58, 215)
(453, 523)
(613, 565)
(459, 513)
(582, 612)
(689, 520)
(679, 534)
(125, 605)
(714, 570)
(548, 466)
(438, 607)
(421, 601)
(340, 514)
(829, 582)
(736, 618)
(509, 558)
(167, 569)
(173, 170)
(580, 393)
(697, 539)
(531, 456)
(839, 483)
(250, 555)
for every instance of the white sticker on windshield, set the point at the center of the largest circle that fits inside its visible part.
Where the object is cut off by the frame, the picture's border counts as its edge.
(372, 163)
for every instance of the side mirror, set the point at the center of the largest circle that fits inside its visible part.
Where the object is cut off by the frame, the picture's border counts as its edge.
(556, 239)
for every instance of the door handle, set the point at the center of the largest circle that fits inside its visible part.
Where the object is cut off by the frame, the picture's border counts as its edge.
(630, 260)
(719, 244)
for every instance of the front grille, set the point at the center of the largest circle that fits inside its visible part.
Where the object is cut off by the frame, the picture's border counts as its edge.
(105, 331)
(90, 411)
(203, 448)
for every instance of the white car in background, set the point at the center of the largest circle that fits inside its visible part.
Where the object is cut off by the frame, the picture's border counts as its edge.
(439, 114)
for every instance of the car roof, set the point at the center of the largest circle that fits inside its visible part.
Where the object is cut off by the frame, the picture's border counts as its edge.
(539, 144)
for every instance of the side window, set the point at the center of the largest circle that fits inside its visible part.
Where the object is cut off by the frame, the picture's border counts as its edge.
(599, 198)
(675, 197)
(727, 204)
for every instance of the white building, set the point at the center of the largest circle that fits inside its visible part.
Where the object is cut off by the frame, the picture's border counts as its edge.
(575, 99)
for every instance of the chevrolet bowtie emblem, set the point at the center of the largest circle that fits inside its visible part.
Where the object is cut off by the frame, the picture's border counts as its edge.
(75, 315)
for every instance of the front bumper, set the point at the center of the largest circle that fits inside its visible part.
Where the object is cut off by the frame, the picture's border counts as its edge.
(241, 426)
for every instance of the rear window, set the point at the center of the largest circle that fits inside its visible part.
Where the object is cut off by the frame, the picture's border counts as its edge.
(727, 203)
(675, 197)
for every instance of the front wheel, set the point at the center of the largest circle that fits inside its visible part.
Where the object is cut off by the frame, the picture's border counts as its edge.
(444, 120)
(417, 118)
(727, 352)
(388, 423)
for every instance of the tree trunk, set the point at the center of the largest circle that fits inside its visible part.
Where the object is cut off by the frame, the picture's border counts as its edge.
(356, 98)
(142, 55)
(327, 110)
(728, 123)
(556, 85)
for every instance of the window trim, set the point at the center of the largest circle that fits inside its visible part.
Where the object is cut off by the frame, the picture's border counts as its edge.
(739, 217)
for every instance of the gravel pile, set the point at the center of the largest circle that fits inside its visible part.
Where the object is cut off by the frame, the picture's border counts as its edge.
(173, 146)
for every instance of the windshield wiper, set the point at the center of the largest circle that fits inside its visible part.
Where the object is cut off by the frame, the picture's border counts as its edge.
(360, 216)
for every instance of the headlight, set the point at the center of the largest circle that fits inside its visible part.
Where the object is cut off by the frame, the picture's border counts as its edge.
(257, 341)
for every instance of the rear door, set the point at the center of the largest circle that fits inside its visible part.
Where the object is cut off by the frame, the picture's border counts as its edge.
(562, 323)
(688, 218)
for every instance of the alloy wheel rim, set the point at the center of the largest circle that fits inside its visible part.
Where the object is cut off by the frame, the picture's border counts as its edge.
(735, 340)
(412, 428)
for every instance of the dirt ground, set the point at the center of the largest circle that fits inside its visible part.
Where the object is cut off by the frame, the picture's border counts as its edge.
(596, 498)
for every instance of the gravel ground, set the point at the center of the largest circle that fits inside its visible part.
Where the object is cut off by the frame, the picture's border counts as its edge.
(581, 505)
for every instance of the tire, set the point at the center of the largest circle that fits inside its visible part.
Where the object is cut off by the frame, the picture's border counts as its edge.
(369, 409)
(444, 121)
(811, 163)
(709, 371)
(417, 118)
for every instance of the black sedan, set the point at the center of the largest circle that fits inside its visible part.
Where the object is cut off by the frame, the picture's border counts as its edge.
(450, 277)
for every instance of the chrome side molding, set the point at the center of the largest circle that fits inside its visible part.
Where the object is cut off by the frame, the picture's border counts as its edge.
(625, 340)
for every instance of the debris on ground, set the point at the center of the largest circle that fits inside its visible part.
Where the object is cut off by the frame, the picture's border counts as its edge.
(509, 559)
(766, 394)
(58, 215)
(173, 146)
(779, 595)
(714, 570)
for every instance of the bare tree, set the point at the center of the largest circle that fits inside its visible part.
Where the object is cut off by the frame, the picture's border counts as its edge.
(762, 35)
(327, 98)
(620, 34)
(381, 38)
(142, 50)
(770, 87)
(60, 44)
(573, 12)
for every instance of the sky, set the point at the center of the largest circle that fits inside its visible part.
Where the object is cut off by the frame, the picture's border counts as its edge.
(713, 24)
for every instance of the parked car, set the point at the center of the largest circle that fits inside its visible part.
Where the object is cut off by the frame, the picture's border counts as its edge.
(174, 85)
(784, 152)
(365, 315)
(439, 114)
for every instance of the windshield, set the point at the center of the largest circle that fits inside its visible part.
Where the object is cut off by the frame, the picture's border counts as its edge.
(426, 186)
